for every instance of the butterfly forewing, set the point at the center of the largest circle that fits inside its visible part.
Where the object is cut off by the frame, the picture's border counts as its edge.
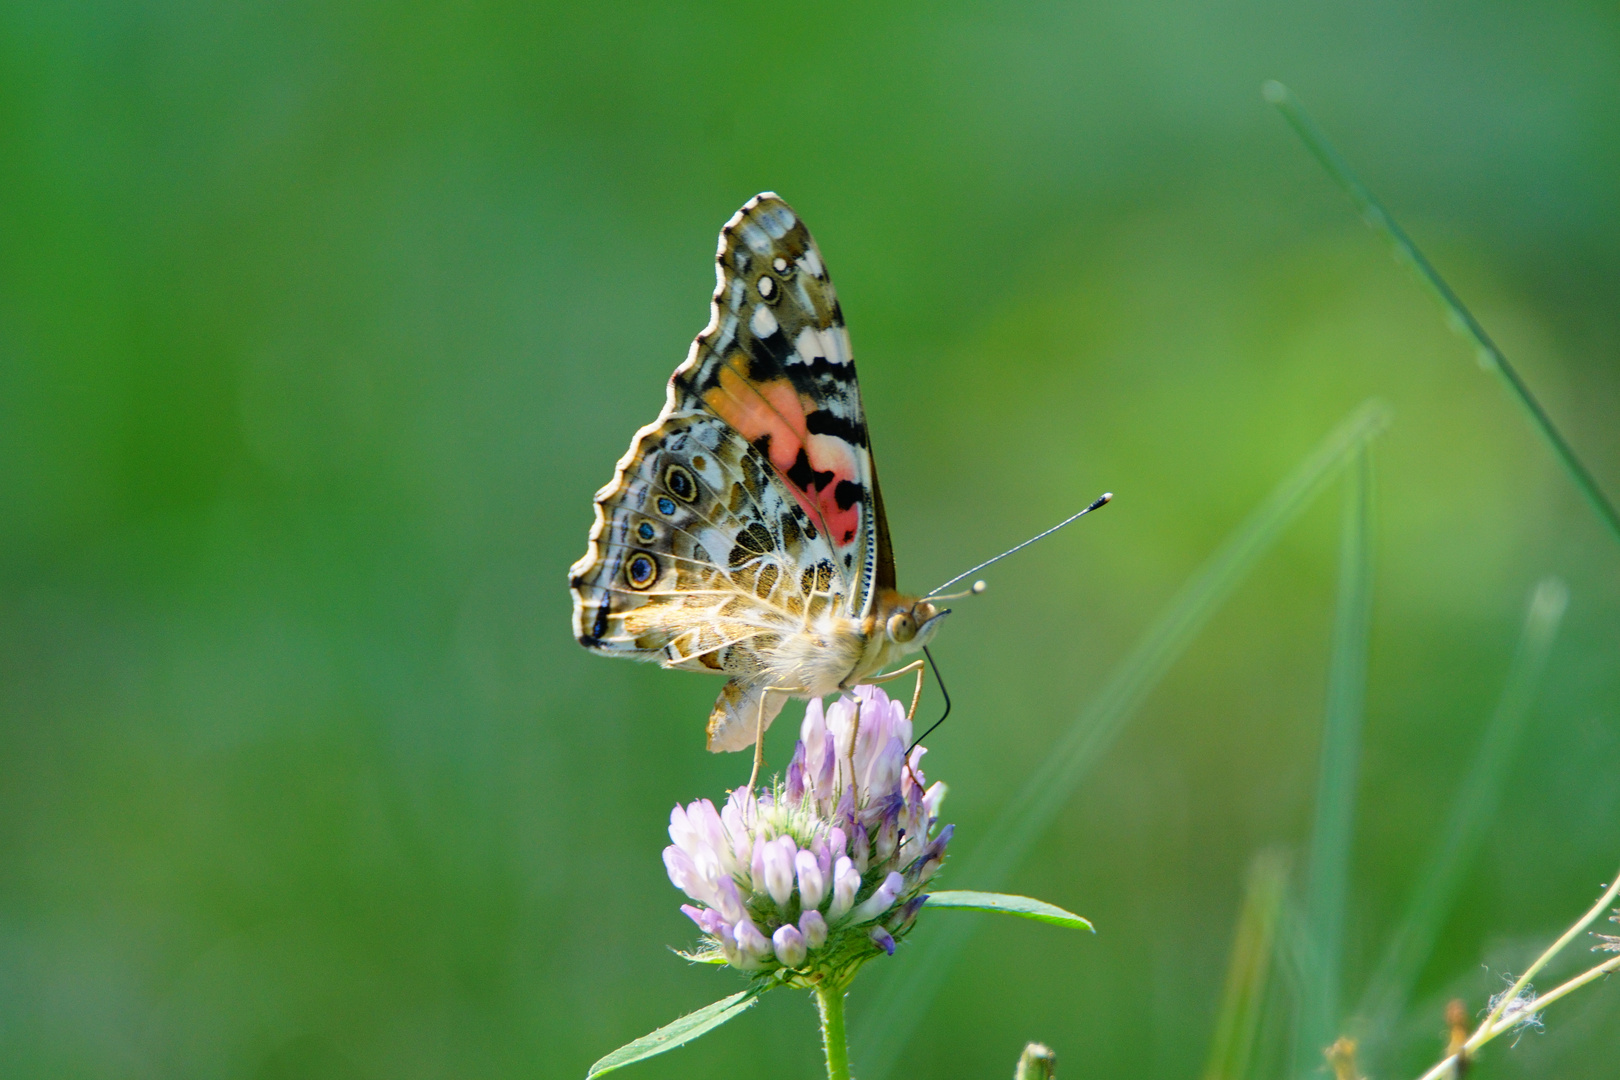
(775, 363)
(744, 523)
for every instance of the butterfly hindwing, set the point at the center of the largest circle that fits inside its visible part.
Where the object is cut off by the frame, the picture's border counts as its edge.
(696, 550)
(736, 714)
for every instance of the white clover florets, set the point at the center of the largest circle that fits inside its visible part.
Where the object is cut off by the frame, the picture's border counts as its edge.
(825, 870)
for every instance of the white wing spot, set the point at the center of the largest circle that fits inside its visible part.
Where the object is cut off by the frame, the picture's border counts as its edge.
(811, 261)
(764, 323)
(767, 284)
(727, 334)
(808, 347)
(776, 221)
(755, 237)
(781, 264)
(837, 344)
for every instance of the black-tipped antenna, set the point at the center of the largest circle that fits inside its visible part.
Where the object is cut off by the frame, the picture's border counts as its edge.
(1101, 500)
(942, 693)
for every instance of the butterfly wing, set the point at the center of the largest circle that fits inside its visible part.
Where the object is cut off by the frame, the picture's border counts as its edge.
(775, 363)
(698, 550)
(749, 507)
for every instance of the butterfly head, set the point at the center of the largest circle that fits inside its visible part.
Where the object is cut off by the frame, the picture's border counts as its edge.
(912, 626)
(911, 622)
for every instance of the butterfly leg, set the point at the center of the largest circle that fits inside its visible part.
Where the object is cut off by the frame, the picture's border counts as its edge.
(916, 695)
(759, 728)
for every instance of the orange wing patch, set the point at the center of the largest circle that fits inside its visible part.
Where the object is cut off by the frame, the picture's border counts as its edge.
(820, 470)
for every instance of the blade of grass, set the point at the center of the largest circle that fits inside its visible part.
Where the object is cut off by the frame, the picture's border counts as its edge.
(1450, 1068)
(1506, 1001)
(1373, 212)
(1328, 870)
(1471, 814)
(1237, 1025)
(1518, 1005)
(899, 1005)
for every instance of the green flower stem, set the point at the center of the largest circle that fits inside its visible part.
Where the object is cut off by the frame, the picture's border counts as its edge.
(830, 1000)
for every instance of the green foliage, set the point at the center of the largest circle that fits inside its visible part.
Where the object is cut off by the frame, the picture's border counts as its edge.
(319, 325)
(679, 1032)
(1327, 880)
(1232, 1050)
(1457, 313)
(1472, 814)
(1022, 906)
(905, 997)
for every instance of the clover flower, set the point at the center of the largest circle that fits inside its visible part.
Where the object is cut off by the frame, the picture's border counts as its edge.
(822, 872)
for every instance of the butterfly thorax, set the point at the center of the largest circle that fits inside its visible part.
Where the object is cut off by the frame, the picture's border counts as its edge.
(833, 653)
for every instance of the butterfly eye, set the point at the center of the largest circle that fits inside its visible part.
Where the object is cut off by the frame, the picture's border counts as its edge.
(679, 481)
(902, 627)
(642, 570)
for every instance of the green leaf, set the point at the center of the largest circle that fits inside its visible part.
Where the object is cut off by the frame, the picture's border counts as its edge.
(678, 1033)
(1022, 906)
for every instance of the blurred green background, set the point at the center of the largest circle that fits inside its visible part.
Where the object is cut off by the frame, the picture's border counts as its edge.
(320, 324)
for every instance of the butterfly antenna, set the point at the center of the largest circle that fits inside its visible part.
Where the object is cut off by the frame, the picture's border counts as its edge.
(978, 587)
(1101, 500)
(942, 693)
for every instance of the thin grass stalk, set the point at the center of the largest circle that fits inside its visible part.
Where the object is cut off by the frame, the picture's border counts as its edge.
(1511, 1011)
(1373, 212)
(1248, 972)
(1471, 814)
(1608, 967)
(1328, 869)
(1542, 961)
(900, 1005)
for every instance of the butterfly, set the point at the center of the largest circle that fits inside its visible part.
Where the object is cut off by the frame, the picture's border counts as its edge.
(743, 531)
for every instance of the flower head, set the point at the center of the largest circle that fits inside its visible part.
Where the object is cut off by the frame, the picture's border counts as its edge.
(825, 870)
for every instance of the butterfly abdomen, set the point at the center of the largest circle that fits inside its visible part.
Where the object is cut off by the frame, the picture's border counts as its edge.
(820, 658)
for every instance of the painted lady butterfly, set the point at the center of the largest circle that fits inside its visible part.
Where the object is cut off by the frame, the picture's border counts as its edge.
(743, 532)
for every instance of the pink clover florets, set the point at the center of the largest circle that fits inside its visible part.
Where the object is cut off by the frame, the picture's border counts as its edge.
(825, 870)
